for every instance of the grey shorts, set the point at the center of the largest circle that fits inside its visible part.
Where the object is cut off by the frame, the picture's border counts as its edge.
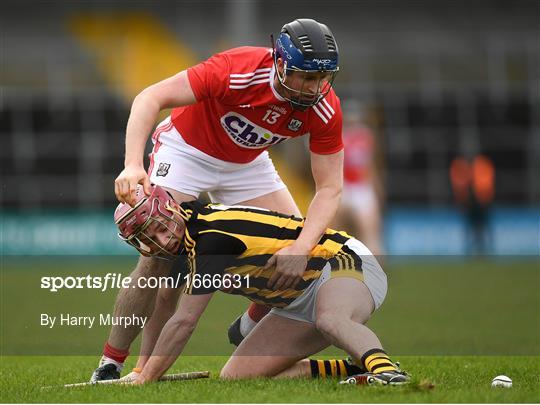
(303, 308)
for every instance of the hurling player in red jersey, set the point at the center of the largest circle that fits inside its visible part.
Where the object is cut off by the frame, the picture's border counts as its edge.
(362, 187)
(226, 112)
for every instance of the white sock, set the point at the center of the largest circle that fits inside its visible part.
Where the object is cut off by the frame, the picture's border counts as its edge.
(107, 360)
(246, 324)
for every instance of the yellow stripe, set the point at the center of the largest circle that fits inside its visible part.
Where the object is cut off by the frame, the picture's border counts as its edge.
(330, 231)
(350, 260)
(192, 274)
(387, 368)
(333, 368)
(189, 238)
(347, 273)
(320, 365)
(327, 250)
(287, 223)
(342, 369)
(370, 363)
(341, 261)
(374, 356)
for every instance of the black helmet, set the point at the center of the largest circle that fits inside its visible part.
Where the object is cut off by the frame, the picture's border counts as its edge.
(306, 45)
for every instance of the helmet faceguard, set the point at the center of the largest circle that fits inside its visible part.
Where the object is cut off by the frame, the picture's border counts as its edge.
(307, 47)
(154, 226)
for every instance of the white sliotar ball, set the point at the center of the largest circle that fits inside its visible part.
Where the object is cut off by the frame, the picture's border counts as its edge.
(501, 381)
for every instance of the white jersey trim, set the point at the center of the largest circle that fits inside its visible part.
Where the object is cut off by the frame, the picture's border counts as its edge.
(244, 80)
(319, 113)
(324, 110)
(243, 86)
(251, 73)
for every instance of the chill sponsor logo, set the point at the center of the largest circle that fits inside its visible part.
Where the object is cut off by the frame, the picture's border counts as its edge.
(247, 134)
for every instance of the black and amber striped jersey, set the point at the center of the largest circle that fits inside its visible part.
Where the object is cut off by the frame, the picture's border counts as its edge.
(235, 240)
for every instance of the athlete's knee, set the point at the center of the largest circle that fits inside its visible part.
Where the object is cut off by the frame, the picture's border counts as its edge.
(228, 373)
(328, 322)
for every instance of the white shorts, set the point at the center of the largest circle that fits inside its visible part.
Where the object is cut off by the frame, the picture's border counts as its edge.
(181, 167)
(303, 308)
(360, 197)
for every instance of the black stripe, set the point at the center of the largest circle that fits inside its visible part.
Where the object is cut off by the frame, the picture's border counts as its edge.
(379, 357)
(327, 368)
(369, 353)
(314, 368)
(252, 228)
(314, 263)
(357, 259)
(336, 237)
(334, 263)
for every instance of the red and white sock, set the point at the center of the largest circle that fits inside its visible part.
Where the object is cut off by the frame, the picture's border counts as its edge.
(251, 317)
(111, 355)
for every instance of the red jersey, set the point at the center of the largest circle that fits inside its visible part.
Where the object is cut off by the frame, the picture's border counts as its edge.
(239, 114)
(359, 150)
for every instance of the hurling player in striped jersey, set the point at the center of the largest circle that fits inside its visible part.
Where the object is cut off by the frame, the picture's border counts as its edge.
(228, 249)
(226, 112)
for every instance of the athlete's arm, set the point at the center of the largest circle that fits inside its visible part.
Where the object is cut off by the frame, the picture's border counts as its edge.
(328, 176)
(175, 91)
(174, 337)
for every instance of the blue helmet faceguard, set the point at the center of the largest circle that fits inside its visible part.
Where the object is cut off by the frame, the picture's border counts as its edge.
(307, 46)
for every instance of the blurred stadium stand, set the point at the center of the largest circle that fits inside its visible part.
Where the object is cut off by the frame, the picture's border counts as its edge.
(445, 79)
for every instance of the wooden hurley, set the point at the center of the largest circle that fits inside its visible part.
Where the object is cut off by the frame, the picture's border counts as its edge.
(194, 375)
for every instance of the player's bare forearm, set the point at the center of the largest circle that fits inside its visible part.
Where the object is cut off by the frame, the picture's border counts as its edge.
(172, 92)
(290, 262)
(174, 336)
(320, 213)
(170, 344)
(328, 175)
(143, 115)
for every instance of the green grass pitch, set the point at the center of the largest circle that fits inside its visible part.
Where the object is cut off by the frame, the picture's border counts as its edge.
(453, 323)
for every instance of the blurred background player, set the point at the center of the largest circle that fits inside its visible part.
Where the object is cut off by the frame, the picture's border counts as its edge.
(363, 193)
(226, 112)
(473, 184)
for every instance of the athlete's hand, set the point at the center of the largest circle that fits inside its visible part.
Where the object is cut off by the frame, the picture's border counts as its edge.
(132, 376)
(139, 380)
(290, 263)
(125, 184)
